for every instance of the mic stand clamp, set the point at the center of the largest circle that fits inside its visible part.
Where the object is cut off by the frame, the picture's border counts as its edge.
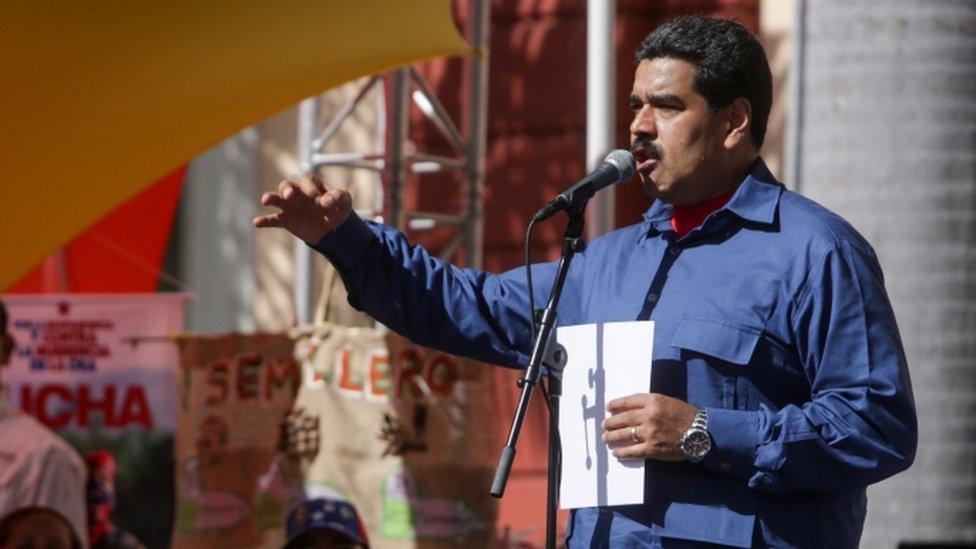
(572, 243)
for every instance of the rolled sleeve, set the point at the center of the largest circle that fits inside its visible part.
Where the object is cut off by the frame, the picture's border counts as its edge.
(467, 312)
(735, 439)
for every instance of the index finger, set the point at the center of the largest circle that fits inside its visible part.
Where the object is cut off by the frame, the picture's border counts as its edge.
(272, 199)
(622, 420)
(629, 402)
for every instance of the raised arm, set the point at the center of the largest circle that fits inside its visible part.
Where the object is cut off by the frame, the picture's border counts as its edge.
(466, 312)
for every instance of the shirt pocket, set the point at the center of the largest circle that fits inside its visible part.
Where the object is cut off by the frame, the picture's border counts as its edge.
(714, 353)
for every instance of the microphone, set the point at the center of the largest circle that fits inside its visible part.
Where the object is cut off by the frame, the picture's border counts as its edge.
(618, 166)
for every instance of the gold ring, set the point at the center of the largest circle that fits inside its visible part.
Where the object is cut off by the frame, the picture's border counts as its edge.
(633, 434)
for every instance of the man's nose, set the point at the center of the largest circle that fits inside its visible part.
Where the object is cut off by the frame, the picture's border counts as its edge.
(643, 122)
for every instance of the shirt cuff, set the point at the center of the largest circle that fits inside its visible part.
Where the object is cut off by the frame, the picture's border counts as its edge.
(346, 245)
(735, 440)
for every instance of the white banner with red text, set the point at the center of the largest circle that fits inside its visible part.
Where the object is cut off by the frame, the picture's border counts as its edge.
(100, 370)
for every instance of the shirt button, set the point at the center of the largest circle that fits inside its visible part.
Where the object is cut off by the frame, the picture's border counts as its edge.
(674, 250)
(652, 297)
(725, 467)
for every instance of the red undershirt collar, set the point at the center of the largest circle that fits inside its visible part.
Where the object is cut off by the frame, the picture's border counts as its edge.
(687, 217)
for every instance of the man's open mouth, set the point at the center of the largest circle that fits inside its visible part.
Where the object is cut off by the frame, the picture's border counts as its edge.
(646, 159)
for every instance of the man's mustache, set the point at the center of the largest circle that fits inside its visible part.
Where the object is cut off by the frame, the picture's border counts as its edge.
(645, 143)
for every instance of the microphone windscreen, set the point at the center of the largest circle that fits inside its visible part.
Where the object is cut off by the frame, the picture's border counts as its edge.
(624, 161)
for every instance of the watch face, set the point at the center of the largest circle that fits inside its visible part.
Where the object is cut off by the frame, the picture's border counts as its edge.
(696, 444)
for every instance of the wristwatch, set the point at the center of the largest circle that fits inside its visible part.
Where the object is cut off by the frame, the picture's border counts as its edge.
(696, 443)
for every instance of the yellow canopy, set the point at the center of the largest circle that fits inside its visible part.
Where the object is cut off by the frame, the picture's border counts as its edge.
(99, 99)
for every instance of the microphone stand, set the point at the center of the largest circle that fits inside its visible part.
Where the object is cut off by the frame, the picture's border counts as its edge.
(572, 243)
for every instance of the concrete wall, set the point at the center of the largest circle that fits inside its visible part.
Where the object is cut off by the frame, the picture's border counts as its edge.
(888, 140)
(214, 238)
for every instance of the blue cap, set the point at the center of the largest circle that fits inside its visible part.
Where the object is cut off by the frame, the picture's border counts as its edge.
(325, 514)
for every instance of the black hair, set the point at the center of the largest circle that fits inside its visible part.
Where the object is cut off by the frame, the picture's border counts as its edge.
(7, 522)
(729, 63)
(3, 318)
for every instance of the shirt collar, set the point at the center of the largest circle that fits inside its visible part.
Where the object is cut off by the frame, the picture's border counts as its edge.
(756, 200)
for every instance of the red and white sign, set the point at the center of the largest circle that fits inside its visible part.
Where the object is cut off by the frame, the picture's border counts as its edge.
(106, 362)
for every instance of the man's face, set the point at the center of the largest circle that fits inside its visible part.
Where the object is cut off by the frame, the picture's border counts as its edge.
(675, 138)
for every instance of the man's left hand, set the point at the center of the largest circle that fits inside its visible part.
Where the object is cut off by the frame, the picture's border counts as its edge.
(658, 422)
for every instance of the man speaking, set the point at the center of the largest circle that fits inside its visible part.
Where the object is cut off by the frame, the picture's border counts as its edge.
(783, 389)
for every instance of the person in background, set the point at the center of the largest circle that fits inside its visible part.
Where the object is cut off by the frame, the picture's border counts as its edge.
(42, 478)
(37, 528)
(100, 494)
(320, 523)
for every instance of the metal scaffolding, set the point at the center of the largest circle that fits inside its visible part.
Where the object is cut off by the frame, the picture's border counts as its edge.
(398, 161)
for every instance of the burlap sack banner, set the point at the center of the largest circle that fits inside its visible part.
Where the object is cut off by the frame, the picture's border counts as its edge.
(406, 434)
(235, 391)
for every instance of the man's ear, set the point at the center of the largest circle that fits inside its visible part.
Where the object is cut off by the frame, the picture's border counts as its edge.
(739, 123)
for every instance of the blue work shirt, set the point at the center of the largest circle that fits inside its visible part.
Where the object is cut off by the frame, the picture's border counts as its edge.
(772, 315)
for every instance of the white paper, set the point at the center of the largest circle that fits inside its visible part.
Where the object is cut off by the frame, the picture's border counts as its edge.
(591, 475)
